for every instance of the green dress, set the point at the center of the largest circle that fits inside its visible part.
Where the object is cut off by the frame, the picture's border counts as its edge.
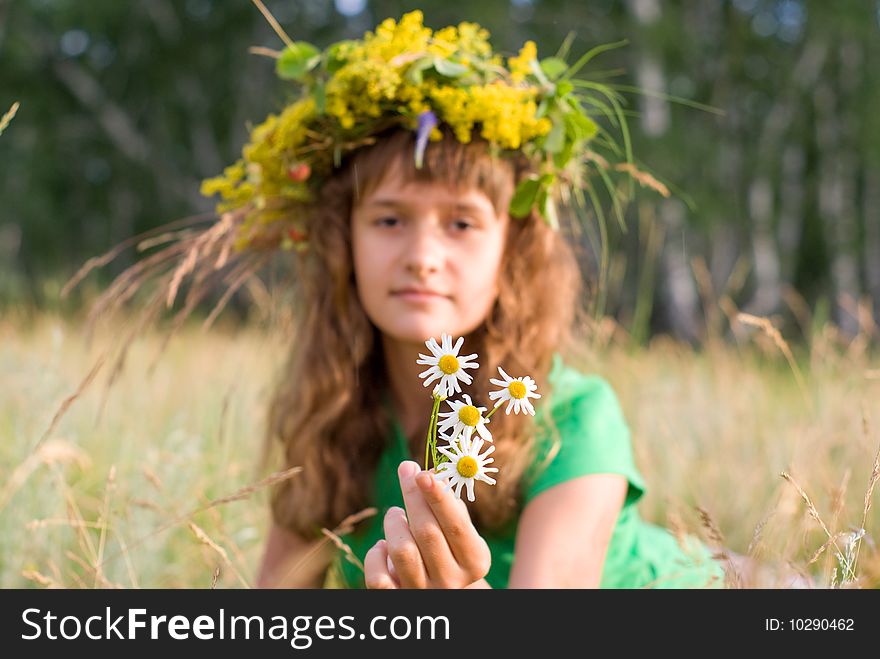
(592, 438)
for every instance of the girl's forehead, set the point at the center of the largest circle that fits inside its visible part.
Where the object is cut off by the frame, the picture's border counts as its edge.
(394, 191)
(422, 194)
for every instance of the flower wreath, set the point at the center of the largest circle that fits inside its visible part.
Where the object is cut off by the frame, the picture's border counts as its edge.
(405, 74)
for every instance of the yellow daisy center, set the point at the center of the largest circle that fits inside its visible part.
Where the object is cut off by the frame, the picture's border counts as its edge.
(517, 389)
(448, 364)
(469, 415)
(467, 467)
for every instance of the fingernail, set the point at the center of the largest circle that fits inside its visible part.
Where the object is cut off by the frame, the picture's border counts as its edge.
(425, 481)
(408, 469)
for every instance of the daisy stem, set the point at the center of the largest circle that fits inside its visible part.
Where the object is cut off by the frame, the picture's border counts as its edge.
(431, 439)
(434, 455)
(493, 410)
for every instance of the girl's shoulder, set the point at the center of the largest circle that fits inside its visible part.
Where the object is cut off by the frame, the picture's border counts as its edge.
(570, 385)
(580, 430)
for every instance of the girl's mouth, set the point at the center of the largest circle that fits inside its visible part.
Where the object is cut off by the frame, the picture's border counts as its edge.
(418, 295)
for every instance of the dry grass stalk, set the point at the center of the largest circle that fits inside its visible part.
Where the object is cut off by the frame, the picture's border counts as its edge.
(814, 513)
(146, 503)
(872, 481)
(734, 579)
(345, 526)
(187, 265)
(707, 293)
(41, 579)
(758, 533)
(275, 25)
(56, 451)
(7, 118)
(214, 577)
(206, 540)
(129, 281)
(241, 277)
(100, 580)
(132, 574)
(799, 308)
(594, 157)
(644, 179)
(776, 337)
(245, 492)
(151, 476)
(217, 520)
(266, 52)
(349, 554)
(162, 239)
(65, 405)
(832, 540)
(110, 255)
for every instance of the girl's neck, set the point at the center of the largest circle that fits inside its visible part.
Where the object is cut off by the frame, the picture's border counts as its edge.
(412, 401)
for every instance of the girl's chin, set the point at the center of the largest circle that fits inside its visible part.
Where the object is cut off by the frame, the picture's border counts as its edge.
(419, 332)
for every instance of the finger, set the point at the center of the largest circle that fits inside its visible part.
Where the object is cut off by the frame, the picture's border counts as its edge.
(403, 550)
(376, 573)
(440, 564)
(467, 545)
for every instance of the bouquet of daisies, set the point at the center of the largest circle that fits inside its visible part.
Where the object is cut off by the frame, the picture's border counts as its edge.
(463, 428)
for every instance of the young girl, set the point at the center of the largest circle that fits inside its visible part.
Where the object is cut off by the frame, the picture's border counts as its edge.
(403, 239)
(405, 254)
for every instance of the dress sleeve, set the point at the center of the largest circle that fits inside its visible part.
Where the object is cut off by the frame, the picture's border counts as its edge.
(590, 436)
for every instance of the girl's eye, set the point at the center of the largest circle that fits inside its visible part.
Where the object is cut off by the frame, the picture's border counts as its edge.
(387, 221)
(462, 225)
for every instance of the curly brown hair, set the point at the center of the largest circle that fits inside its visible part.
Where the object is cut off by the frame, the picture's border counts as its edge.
(323, 417)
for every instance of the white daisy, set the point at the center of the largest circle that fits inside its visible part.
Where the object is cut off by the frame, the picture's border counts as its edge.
(465, 466)
(517, 391)
(446, 365)
(464, 418)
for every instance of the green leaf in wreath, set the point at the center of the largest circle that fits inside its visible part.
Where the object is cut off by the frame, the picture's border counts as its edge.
(553, 67)
(336, 56)
(524, 197)
(320, 96)
(580, 126)
(449, 68)
(296, 60)
(563, 87)
(547, 208)
(555, 139)
(415, 71)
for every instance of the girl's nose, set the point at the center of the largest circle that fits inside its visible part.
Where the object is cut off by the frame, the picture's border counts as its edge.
(424, 252)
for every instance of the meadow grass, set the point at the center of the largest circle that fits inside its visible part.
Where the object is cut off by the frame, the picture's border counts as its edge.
(155, 481)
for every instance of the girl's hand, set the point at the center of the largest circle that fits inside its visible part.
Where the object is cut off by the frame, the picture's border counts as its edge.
(432, 544)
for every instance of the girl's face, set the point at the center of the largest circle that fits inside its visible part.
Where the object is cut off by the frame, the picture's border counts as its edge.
(426, 257)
